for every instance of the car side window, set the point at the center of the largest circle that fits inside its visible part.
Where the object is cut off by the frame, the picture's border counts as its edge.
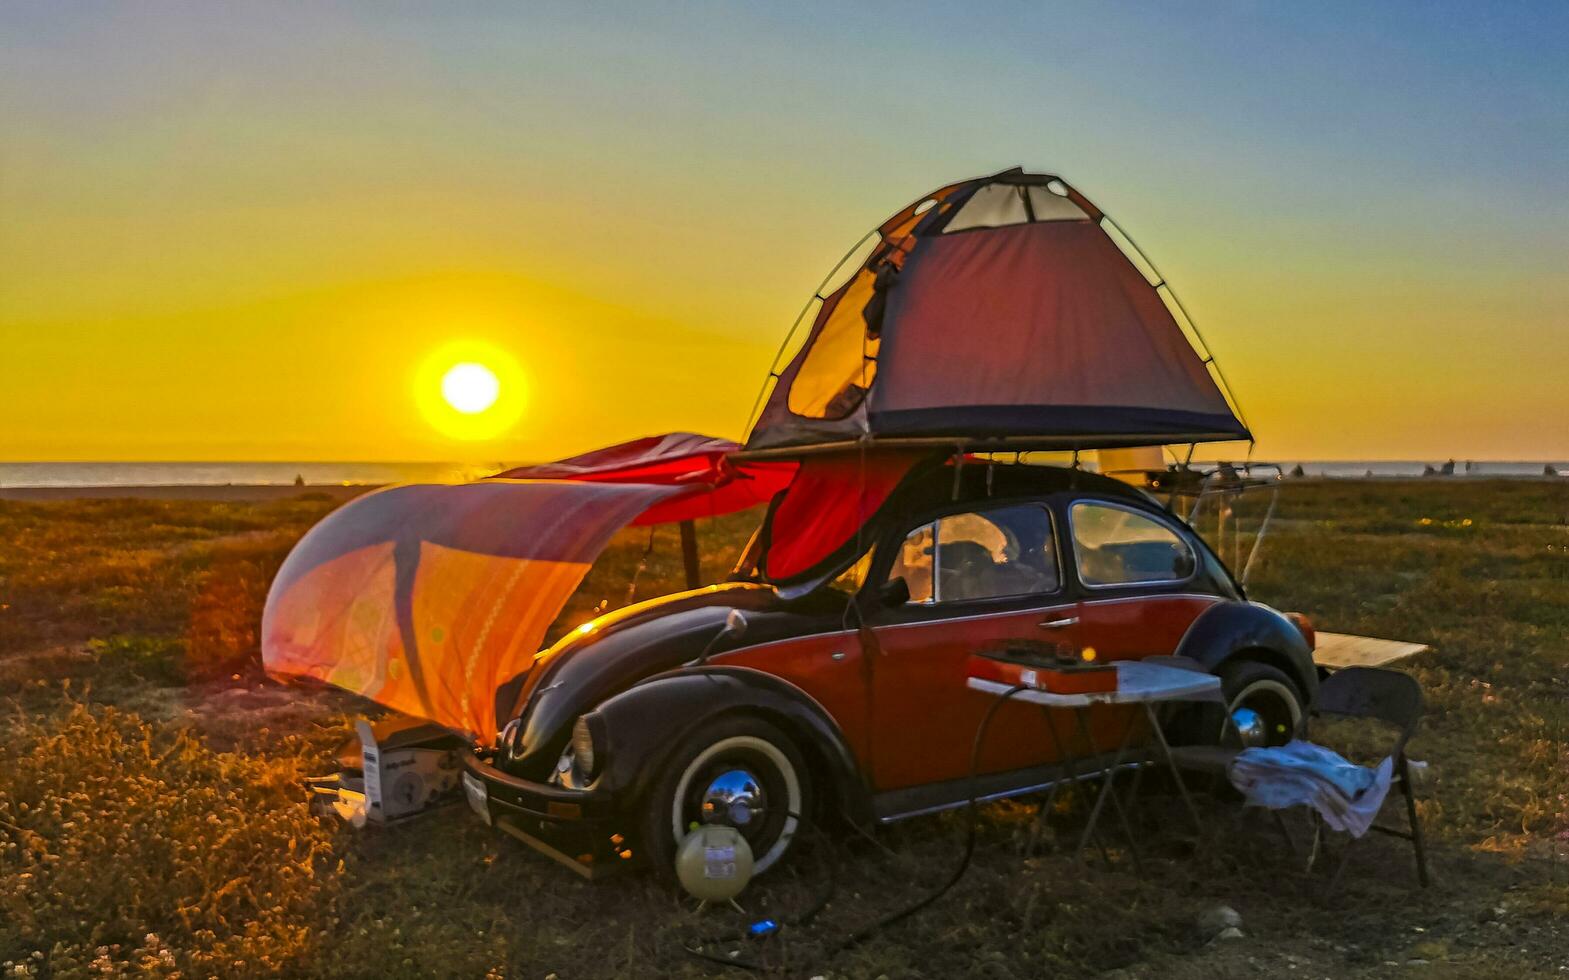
(990, 554)
(1119, 546)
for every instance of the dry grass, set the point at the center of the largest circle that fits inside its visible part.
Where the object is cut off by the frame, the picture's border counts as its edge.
(150, 821)
(133, 849)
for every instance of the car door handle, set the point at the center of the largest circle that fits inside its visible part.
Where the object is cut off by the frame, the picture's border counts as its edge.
(1057, 624)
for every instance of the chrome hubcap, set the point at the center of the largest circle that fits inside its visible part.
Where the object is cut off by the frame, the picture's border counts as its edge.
(1250, 727)
(734, 797)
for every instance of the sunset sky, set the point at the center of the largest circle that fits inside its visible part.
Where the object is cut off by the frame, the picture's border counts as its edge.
(244, 230)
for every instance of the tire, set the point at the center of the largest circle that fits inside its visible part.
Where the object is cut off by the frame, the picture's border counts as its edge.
(738, 743)
(1266, 691)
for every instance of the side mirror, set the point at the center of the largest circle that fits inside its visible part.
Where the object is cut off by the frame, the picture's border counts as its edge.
(735, 624)
(894, 592)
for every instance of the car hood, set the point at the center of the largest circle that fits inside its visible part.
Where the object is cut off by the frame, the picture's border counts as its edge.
(616, 650)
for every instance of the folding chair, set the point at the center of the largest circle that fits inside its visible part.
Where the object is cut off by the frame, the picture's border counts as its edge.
(1353, 692)
(1396, 699)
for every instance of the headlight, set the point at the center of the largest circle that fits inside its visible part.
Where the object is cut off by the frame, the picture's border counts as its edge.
(584, 747)
(507, 743)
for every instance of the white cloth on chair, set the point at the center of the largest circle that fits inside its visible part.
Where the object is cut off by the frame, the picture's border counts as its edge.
(1346, 795)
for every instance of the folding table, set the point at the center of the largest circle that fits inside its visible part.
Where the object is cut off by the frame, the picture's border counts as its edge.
(1138, 683)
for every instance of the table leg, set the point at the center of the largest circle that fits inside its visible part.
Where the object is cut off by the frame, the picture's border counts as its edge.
(1066, 759)
(1107, 786)
(1171, 764)
(1146, 758)
(1069, 760)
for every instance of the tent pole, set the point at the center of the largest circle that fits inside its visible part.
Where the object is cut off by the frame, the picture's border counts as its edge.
(689, 554)
(642, 565)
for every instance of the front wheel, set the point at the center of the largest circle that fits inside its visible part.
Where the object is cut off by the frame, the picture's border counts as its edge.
(740, 771)
(1263, 706)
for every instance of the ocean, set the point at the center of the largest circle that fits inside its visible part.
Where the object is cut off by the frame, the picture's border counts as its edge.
(356, 473)
(1353, 468)
(235, 474)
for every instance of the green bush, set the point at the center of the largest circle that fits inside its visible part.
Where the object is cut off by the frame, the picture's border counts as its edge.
(159, 659)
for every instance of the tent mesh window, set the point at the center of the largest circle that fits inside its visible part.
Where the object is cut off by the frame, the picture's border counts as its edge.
(1000, 205)
(842, 359)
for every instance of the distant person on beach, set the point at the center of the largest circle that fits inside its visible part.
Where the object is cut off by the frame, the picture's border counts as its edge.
(1449, 469)
(299, 479)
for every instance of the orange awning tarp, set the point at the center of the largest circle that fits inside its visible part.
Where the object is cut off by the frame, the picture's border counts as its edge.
(427, 599)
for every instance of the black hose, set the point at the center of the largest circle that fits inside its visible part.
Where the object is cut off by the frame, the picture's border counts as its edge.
(971, 827)
(861, 935)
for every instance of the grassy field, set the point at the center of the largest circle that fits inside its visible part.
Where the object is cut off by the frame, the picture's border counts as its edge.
(151, 821)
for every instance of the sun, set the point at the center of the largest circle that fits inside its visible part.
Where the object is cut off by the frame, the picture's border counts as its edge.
(471, 390)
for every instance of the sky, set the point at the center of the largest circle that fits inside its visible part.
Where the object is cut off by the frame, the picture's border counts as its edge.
(251, 231)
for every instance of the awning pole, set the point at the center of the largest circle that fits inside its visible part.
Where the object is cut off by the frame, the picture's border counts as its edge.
(689, 554)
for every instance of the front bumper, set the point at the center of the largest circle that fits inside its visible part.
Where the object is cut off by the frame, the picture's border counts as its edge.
(578, 828)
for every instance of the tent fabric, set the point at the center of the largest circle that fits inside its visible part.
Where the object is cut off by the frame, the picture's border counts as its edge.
(996, 311)
(1081, 338)
(713, 484)
(829, 501)
(427, 599)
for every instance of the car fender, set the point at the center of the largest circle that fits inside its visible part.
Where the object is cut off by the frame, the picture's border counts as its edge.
(643, 725)
(1250, 630)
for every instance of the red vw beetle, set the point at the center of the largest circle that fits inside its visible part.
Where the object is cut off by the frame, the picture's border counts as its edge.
(995, 315)
(840, 689)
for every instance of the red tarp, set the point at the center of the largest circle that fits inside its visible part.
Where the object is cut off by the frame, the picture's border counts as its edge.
(828, 502)
(714, 484)
(814, 519)
(427, 599)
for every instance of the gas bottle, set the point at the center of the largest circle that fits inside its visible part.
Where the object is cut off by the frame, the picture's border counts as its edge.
(714, 863)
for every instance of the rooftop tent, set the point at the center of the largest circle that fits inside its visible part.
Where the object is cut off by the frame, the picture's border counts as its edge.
(999, 313)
